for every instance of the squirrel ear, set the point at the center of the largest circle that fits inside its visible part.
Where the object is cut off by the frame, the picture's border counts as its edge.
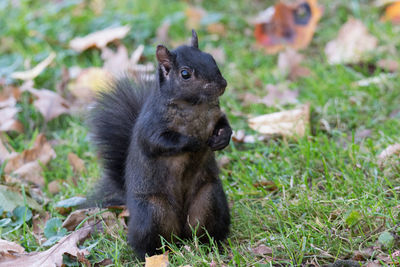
(164, 58)
(195, 40)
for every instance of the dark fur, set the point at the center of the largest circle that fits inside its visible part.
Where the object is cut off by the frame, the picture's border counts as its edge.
(157, 141)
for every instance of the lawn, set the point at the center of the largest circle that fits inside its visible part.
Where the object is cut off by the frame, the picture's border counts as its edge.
(328, 197)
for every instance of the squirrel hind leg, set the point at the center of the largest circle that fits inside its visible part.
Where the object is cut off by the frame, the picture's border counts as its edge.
(209, 211)
(150, 217)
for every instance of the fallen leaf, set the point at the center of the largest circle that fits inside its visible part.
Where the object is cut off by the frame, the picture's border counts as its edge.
(279, 94)
(388, 65)
(289, 64)
(11, 198)
(54, 186)
(39, 222)
(392, 13)
(373, 264)
(262, 250)
(216, 28)
(81, 258)
(287, 25)
(91, 215)
(99, 39)
(388, 152)
(88, 82)
(104, 262)
(31, 172)
(223, 161)
(364, 254)
(241, 137)
(9, 102)
(380, 79)
(288, 123)
(49, 103)
(115, 62)
(352, 43)
(157, 261)
(217, 53)
(8, 249)
(380, 3)
(52, 257)
(33, 73)
(119, 62)
(8, 121)
(162, 32)
(249, 98)
(97, 6)
(26, 165)
(269, 185)
(5, 152)
(77, 164)
(194, 16)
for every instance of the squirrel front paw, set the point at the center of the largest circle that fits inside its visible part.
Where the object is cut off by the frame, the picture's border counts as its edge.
(220, 139)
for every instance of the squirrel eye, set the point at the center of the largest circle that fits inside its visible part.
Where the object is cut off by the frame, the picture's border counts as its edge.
(185, 74)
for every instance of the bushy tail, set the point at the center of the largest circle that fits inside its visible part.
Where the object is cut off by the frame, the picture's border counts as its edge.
(111, 122)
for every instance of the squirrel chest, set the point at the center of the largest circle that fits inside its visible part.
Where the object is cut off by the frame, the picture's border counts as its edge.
(194, 120)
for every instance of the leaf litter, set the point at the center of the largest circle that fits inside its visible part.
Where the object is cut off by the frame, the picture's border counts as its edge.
(99, 39)
(52, 257)
(352, 44)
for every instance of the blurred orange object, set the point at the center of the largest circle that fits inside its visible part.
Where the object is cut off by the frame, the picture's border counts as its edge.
(392, 13)
(284, 26)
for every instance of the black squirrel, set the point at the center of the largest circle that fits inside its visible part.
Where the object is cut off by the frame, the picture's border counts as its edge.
(156, 141)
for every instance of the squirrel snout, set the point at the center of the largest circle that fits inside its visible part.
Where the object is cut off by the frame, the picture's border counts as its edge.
(222, 85)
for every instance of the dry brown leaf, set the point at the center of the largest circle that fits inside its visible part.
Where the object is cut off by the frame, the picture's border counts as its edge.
(262, 250)
(216, 28)
(54, 186)
(223, 161)
(388, 65)
(115, 62)
(26, 165)
(373, 264)
(286, 123)
(352, 43)
(53, 257)
(49, 103)
(289, 64)
(218, 54)
(162, 32)
(392, 13)
(31, 172)
(9, 102)
(8, 249)
(194, 16)
(88, 82)
(104, 262)
(99, 39)
(157, 261)
(279, 94)
(8, 121)
(95, 214)
(388, 152)
(33, 73)
(77, 163)
(5, 152)
(39, 222)
(268, 185)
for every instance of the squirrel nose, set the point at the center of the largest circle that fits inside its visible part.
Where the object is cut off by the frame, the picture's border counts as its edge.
(222, 85)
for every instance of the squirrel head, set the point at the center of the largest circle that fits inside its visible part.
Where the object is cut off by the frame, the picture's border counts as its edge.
(188, 74)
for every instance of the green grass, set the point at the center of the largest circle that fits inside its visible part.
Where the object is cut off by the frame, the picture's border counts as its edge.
(332, 197)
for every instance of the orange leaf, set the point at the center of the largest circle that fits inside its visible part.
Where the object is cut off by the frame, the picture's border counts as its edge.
(392, 13)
